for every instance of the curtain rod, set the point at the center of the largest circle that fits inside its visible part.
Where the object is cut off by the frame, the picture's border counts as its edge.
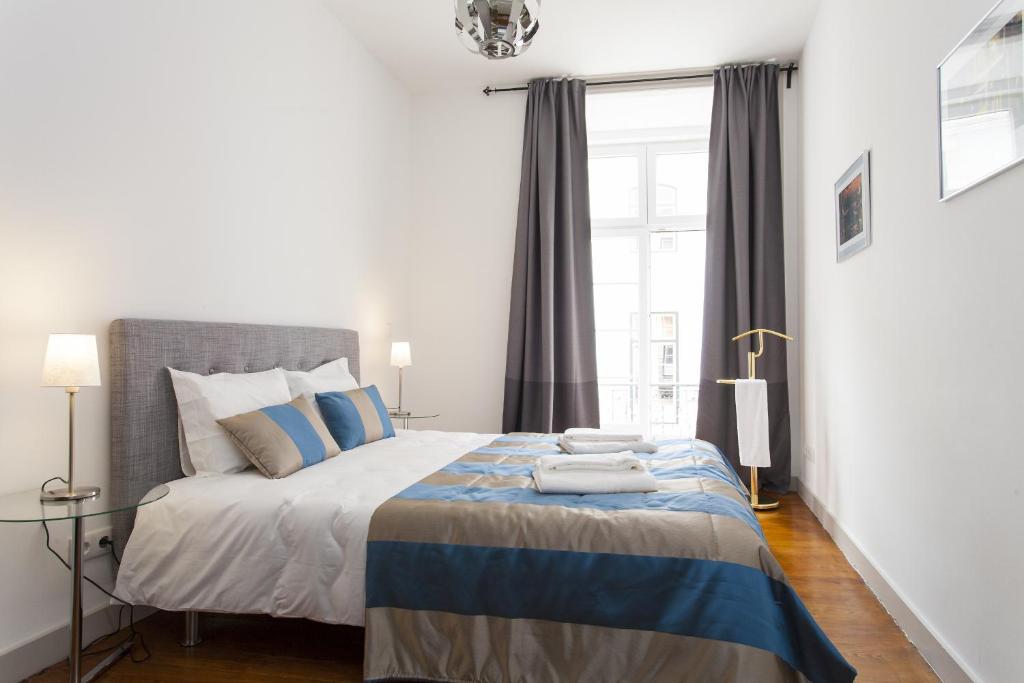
(788, 70)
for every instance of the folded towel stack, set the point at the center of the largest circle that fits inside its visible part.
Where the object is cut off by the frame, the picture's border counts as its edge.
(587, 434)
(591, 447)
(621, 461)
(582, 441)
(610, 473)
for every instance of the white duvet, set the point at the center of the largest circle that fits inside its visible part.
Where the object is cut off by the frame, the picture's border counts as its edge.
(292, 547)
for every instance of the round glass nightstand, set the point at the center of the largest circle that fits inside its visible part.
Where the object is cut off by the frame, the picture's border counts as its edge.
(405, 417)
(26, 507)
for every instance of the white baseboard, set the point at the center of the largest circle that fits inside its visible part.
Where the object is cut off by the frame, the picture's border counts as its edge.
(946, 665)
(43, 651)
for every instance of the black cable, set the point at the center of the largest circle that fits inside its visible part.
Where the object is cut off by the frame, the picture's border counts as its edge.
(43, 487)
(113, 551)
(132, 633)
(104, 542)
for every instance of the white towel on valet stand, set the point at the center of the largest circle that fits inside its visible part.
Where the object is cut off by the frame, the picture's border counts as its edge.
(752, 422)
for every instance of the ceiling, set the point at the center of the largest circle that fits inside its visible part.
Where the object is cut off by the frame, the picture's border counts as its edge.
(416, 39)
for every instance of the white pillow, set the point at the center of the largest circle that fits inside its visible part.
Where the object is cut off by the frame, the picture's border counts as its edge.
(333, 376)
(204, 399)
(183, 456)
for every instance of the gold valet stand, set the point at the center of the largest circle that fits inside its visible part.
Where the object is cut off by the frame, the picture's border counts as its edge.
(756, 501)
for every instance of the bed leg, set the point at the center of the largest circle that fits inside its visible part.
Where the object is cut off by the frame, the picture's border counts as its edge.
(191, 635)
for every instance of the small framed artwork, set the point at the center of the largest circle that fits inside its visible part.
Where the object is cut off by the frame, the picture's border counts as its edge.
(853, 209)
(981, 101)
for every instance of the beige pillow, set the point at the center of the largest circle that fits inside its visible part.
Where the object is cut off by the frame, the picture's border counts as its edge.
(283, 439)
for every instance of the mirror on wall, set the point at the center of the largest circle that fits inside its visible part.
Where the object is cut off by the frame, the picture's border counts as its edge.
(981, 101)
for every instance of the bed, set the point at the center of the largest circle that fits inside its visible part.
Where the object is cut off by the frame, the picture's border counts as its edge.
(439, 544)
(292, 547)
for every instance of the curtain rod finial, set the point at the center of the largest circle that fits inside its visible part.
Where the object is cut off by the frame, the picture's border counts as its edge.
(488, 90)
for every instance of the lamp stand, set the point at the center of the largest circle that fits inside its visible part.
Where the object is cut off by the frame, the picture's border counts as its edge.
(398, 412)
(70, 493)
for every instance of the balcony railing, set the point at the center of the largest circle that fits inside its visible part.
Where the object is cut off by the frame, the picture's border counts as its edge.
(672, 407)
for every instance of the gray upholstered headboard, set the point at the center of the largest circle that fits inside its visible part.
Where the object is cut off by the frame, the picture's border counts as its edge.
(143, 412)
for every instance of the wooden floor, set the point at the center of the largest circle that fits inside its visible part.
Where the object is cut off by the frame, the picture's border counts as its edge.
(260, 649)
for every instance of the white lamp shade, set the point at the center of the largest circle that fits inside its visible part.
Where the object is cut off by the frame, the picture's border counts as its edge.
(71, 361)
(401, 354)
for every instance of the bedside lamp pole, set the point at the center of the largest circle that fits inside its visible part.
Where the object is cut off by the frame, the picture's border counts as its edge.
(71, 362)
(401, 357)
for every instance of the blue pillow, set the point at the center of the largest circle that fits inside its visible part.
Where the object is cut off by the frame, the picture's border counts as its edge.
(355, 417)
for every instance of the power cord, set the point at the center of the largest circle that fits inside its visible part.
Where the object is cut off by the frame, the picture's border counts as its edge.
(133, 635)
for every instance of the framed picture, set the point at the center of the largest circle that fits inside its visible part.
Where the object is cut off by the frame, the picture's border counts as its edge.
(981, 101)
(853, 209)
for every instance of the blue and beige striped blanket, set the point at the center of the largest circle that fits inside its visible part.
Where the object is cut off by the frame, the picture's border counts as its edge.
(473, 575)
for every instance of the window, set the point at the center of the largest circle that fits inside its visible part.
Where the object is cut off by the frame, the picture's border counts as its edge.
(648, 189)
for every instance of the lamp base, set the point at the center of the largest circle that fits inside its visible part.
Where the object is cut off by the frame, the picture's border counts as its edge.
(63, 495)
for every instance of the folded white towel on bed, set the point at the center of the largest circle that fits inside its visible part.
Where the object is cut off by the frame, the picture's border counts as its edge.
(587, 434)
(582, 474)
(580, 482)
(609, 462)
(585, 447)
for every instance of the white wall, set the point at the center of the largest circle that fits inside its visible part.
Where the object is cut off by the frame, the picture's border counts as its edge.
(792, 160)
(467, 153)
(910, 347)
(203, 160)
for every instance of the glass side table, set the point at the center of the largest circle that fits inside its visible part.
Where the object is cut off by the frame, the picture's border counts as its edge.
(26, 508)
(406, 416)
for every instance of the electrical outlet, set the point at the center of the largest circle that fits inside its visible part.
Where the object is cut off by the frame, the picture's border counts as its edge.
(91, 544)
(808, 454)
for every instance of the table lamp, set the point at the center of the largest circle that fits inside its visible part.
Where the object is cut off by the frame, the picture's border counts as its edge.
(401, 357)
(71, 362)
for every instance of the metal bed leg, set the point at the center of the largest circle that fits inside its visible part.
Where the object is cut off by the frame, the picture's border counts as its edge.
(191, 635)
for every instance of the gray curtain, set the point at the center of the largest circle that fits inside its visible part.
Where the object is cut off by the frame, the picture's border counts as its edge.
(744, 280)
(551, 370)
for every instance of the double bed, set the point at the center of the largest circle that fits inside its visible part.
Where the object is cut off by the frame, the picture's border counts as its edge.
(293, 547)
(440, 545)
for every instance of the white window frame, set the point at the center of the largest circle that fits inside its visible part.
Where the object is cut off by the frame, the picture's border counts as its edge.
(678, 221)
(642, 227)
(642, 235)
(637, 152)
(646, 155)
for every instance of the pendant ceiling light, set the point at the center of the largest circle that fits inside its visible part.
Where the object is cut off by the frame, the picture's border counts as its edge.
(497, 29)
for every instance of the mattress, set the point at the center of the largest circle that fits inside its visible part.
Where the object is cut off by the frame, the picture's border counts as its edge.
(292, 547)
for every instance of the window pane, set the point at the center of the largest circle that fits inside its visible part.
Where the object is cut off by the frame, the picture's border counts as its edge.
(619, 404)
(617, 318)
(663, 362)
(614, 187)
(616, 357)
(616, 283)
(673, 411)
(663, 327)
(682, 184)
(677, 301)
(661, 387)
(649, 115)
(615, 307)
(616, 259)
